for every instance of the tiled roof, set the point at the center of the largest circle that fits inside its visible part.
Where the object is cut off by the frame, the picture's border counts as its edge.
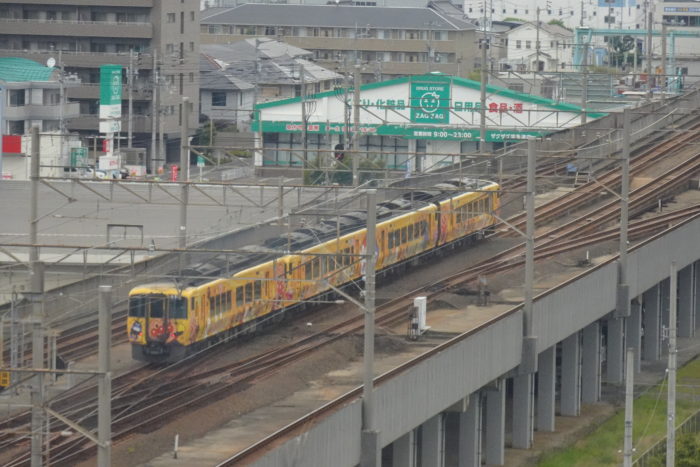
(14, 69)
(336, 16)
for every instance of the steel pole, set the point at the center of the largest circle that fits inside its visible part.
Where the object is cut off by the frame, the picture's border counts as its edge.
(154, 114)
(482, 108)
(584, 86)
(38, 362)
(650, 18)
(671, 407)
(528, 362)
(622, 308)
(104, 385)
(34, 202)
(356, 128)
(663, 62)
(130, 75)
(184, 175)
(371, 456)
(629, 403)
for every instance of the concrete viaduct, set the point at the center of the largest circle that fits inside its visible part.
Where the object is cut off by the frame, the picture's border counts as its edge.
(466, 377)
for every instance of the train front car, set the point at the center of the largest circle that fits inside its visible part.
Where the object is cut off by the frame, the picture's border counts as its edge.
(157, 323)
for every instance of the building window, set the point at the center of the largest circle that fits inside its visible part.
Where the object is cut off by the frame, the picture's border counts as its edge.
(192, 16)
(609, 20)
(191, 77)
(528, 44)
(50, 125)
(16, 127)
(16, 97)
(518, 44)
(171, 18)
(191, 46)
(169, 48)
(270, 31)
(218, 99)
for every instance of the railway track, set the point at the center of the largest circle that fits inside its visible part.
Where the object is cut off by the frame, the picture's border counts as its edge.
(142, 400)
(79, 342)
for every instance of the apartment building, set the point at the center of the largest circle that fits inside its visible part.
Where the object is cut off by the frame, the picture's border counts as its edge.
(82, 35)
(388, 42)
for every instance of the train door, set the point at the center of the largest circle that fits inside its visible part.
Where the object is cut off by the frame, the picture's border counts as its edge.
(157, 318)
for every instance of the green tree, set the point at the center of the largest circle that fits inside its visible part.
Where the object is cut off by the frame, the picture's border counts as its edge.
(621, 49)
(511, 19)
(558, 22)
(204, 136)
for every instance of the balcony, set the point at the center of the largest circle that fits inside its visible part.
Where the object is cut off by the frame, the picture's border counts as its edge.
(141, 123)
(77, 59)
(102, 3)
(92, 91)
(41, 112)
(76, 28)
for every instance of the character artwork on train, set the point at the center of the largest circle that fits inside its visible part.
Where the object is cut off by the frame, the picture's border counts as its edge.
(233, 294)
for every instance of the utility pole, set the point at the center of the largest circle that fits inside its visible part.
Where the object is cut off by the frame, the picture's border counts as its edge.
(184, 172)
(629, 403)
(537, 42)
(356, 128)
(483, 43)
(34, 206)
(584, 86)
(61, 110)
(104, 385)
(650, 18)
(529, 357)
(371, 450)
(580, 23)
(130, 82)
(663, 61)
(38, 362)
(671, 408)
(154, 113)
(304, 117)
(622, 308)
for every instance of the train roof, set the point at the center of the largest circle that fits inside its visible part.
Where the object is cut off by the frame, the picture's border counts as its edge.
(225, 265)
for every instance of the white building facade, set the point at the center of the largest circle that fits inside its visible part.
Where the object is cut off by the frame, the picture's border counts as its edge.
(555, 48)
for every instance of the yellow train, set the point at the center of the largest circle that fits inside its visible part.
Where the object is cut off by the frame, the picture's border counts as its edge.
(167, 320)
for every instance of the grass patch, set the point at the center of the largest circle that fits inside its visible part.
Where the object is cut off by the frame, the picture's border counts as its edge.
(603, 446)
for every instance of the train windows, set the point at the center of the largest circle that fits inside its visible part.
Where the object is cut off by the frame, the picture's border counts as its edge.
(316, 263)
(239, 296)
(178, 308)
(347, 258)
(229, 302)
(157, 306)
(410, 232)
(257, 289)
(423, 227)
(249, 292)
(307, 271)
(137, 306)
(391, 240)
(403, 235)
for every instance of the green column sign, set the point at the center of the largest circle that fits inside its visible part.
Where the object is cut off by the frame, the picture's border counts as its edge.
(430, 102)
(110, 98)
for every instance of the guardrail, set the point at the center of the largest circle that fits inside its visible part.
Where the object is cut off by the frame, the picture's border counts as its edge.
(689, 425)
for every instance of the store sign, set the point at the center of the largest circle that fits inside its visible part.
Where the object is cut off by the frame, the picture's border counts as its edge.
(430, 102)
(78, 157)
(110, 98)
(444, 134)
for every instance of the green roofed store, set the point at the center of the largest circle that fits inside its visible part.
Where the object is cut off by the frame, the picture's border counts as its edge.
(416, 123)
